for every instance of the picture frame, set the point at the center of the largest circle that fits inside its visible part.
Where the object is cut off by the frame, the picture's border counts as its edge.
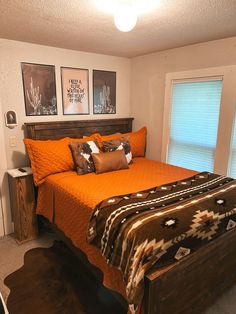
(104, 92)
(39, 85)
(11, 120)
(75, 91)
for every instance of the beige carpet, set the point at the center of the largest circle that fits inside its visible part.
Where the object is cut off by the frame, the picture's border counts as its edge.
(12, 254)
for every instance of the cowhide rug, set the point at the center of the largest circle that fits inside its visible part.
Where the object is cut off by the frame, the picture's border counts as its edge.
(53, 281)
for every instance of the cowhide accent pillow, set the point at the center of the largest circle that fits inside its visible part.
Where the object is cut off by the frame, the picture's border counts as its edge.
(82, 156)
(118, 144)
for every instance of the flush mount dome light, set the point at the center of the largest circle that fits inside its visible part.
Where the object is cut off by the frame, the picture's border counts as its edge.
(125, 17)
(126, 12)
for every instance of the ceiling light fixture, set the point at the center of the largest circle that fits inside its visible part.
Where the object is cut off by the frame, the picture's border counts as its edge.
(125, 17)
(126, 12)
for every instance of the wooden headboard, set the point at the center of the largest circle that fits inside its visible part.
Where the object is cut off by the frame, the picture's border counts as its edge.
(76, 129)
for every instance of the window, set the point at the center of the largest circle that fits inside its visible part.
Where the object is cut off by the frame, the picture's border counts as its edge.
(199, 115)
(232, 163)
(194, 116)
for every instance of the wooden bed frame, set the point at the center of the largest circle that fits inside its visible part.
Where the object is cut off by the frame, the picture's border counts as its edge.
(187, 286)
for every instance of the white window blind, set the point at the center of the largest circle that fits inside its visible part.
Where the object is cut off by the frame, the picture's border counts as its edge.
(194, 123)
(232, 164)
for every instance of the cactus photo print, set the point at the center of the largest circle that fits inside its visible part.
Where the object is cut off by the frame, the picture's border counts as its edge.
(39, 89)
(104, 92)
(75, 90)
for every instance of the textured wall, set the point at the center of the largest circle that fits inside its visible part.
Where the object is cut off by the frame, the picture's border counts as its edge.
(11, 90)
(12, 97)
(148, 81)
(3, 179)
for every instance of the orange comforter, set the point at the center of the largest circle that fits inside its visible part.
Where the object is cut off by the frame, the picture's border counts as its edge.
(68, 200)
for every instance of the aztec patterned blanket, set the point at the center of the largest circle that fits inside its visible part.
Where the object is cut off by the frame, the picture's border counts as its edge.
(161, 225)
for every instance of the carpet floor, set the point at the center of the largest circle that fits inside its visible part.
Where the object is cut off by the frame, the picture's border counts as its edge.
(47, 279)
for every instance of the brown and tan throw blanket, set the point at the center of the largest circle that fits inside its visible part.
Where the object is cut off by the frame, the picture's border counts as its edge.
(162, 225)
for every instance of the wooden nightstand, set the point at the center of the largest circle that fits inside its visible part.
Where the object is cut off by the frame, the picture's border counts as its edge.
(22, 195)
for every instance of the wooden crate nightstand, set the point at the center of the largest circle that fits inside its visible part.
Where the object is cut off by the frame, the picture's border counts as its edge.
(22, 195)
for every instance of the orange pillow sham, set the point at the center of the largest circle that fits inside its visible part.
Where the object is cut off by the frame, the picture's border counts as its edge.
(50, 156)
(137, 141)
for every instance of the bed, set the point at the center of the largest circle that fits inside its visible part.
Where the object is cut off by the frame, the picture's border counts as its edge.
(162, 285)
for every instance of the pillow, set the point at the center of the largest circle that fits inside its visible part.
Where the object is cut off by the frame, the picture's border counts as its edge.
(110, 161)
(118, 144)
(91, 136)
(110, 136)
(49, 157)
(81, 153)
(101, 138)
(137, 141)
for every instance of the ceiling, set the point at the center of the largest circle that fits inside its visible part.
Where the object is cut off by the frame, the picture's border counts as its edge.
(79, 25)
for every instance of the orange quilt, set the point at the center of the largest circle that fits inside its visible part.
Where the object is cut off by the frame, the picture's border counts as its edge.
(68, 200)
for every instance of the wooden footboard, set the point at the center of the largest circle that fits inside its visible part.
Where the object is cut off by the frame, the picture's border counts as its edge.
(186, 287)
(194, 283)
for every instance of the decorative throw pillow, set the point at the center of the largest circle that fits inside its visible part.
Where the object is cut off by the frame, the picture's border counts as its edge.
(50, 156)
(118, 144)
(137, 141)
(82, 156)
(110, 161)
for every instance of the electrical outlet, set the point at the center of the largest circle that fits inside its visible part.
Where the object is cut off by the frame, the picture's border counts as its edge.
(12, 141)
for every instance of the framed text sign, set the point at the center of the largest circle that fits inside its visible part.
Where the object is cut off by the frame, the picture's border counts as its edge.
(75, 91)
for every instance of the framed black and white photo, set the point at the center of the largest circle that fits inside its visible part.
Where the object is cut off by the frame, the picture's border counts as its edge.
(11, 119)
(104, 92)
(39, 89)
(75, 90)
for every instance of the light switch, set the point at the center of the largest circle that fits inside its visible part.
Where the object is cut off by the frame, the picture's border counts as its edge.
(12, 141)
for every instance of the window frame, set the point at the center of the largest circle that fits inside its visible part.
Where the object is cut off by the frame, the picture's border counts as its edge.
(226, 114)
(231, 142)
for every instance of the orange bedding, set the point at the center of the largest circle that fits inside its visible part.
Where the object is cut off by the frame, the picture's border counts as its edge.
(68, 200)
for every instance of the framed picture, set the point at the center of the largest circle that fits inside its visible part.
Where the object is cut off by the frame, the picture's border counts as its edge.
(104, 92)
(11, 119)
(39, 89)
(75, 90)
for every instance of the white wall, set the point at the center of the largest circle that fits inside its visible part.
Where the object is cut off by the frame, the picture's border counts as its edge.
(4, 201)
(11, 90)
(148, 81)
(12, 53)
(5, 213)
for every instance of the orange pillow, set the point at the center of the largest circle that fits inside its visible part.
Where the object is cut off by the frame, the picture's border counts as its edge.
(50, 156)
(137, 141)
